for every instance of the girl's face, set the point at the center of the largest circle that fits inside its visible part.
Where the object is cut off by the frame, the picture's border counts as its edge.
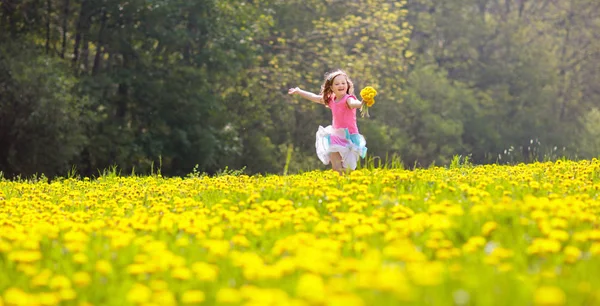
(339, 86)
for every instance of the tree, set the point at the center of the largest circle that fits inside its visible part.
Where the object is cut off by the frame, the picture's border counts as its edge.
(42, 119)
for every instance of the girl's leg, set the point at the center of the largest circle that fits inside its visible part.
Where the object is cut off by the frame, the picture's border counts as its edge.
(336, 162)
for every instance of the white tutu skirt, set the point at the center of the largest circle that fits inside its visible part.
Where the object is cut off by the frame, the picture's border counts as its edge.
(350, 146)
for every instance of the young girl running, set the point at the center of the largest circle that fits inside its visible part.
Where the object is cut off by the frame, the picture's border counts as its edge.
(339, 143)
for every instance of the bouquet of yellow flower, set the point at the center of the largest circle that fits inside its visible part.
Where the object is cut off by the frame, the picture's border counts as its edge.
(368, 99)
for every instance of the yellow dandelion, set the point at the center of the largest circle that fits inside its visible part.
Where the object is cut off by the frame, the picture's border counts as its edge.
(426, 273)
(549, 296)
(67, 294)
(42, 279)
(5, 247)
(216, 233)
(228, 296)
(80, 258)
(104, 267)
(164, 298)
(139, 294)
(25, 256)
(136, 269)
(368, 96)
(193, 297)
(311, 288)
(159, 285)
(47, 298)
(16, 296)
(181, 273)
(488, 228)
(240, 240)
(205, 271)
(345, 300)
(572, 254)
(59, 282)
(82, 279)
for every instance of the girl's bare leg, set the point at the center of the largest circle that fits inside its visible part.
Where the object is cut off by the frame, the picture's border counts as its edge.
(336, 162)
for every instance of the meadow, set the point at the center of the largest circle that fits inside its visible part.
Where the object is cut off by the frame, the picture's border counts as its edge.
(524, 234)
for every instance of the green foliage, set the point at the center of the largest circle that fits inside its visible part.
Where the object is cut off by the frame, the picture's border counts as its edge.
(590, 140)
(459, 161)
(435, 113)
(525, 72)
(230, 172)
(42, 119)
(375, 162)
(202, 84)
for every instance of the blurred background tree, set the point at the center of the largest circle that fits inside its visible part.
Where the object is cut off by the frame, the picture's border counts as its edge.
(174, 84)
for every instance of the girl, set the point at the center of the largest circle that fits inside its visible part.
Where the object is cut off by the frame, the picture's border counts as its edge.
(339, 143)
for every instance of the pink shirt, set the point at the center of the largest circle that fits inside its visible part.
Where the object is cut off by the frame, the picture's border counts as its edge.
(343, 116)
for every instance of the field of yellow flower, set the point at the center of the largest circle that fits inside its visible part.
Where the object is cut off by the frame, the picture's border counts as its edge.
(468, 235)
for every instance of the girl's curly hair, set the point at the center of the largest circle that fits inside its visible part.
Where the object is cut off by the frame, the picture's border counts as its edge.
(326, 91)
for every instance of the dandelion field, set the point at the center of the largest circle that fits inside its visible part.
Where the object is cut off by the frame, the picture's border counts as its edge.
(465, 235)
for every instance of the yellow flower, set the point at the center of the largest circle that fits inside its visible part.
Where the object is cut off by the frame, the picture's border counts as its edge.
(572, 254)
(67, 294)
(426, 273)
(164, 298)
(559, 235)
(240, 240)
(41, 279)
(59, 282)
(81, 279)
(47, 298)
(216, 232)
(159, 285)
(228, 295)
(542, 246)
(25, 256)
(311, 288)
(15, 296)
(488, 228)
(73, 236)
(505, 267)
(193, 297)
(344, 300)
(27, 269)
(136, 269)
(139, 294)
(80, 258)
(368, 95)
(205, 271)
(5, 246)
(103, 267)
(549, 296)
(477, 241)
(595, 249)
(181, 273)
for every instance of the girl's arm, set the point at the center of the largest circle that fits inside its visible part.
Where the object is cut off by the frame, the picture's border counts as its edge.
(353, 103)
(306, 95)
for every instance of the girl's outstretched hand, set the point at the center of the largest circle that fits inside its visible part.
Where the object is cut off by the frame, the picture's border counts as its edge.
(294, 90)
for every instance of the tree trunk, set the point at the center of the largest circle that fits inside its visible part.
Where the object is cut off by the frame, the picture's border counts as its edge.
(64, 28)
(82, 22)
(123, 93)
(48, 18)
(563, 65)
(5, 14)
(98, 57)
(482, 5)
(191, 26)
(85, 53)
(521, 7)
